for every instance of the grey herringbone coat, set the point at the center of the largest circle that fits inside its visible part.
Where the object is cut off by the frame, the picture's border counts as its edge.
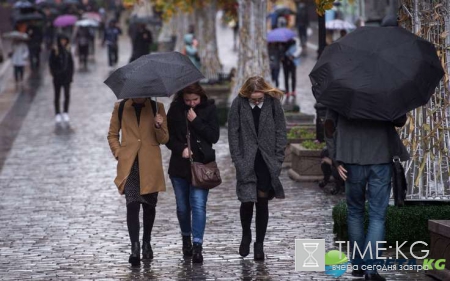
(244, 143)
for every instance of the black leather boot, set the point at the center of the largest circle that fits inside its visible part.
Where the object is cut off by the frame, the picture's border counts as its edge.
(147, 252)
(244, 248)
(187, 246)
(135, 257)
(258, 252)
(197, 256)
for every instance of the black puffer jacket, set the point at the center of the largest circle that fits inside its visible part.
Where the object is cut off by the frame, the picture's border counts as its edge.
(205, 132)
(61, 63)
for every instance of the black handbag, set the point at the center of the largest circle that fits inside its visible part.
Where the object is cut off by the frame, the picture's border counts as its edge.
(204, 176)
(399, 185)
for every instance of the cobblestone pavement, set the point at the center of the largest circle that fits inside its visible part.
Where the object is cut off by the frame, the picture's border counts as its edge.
(62, 219)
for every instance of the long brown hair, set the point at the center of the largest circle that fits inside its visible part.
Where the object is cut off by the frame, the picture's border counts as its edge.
(258, 84)
(194, 88)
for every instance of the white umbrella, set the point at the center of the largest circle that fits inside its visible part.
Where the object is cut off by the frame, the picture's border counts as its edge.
(16, 35)
(87, 22)
(339, 25)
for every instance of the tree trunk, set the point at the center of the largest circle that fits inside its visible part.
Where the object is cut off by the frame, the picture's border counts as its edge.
(182, 28)
(206, 35)
(253, 56)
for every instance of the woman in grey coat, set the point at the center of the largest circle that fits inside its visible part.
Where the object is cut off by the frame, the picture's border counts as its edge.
(257, 138)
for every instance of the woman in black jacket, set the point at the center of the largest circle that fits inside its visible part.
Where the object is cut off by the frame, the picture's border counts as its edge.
(61, 68)
(192, 108)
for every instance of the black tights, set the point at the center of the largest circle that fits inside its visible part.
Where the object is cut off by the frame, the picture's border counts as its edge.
(133, 221)
(262, 218)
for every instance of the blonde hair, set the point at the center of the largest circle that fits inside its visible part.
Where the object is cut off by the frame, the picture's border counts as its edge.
(258, 84)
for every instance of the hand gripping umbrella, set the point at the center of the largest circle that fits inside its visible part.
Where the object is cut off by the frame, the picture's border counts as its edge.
(376, 73)
(154, 75)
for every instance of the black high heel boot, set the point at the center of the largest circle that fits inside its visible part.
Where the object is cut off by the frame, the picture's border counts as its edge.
(197, 256)
(147, 252)
(244, 248)
(135, 257)
(258, 252)
(187, 246)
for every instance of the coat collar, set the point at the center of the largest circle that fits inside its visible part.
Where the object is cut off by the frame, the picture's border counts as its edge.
(247, 115)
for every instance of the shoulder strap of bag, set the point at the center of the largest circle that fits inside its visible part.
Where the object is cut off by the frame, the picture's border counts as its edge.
(122, 104)
(188, 137)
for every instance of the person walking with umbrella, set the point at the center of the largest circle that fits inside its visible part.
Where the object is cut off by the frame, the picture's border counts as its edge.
(367, 98)
(291, 60)
(257, 138)
(111, 38)
(19, 58)
(61, 68)
(191, 108)
(142, 39)
(139, 170)
(143, 127)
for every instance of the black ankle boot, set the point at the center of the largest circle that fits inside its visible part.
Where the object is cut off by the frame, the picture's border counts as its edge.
(258, 251)
(187, 246)
(244, 248)
(147, 252)
(197, 256)
(135, 257)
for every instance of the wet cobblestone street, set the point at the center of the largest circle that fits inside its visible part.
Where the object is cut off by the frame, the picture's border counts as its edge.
(62, 218)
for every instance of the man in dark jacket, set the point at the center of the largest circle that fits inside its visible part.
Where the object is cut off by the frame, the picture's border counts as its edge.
(302, 23)
(111, 38)
(34, 45)
(61, 68)
(142, 39)
(362, 151)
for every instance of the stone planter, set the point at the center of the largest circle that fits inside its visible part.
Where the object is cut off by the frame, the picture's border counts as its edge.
(305, 164)
(288, 153)
(440, 243)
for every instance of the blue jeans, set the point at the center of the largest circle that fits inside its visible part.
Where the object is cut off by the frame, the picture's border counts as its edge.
(190, 199)
(377, 179)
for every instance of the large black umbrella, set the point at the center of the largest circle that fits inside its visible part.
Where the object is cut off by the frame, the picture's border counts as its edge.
(154, 75)
(376, 73)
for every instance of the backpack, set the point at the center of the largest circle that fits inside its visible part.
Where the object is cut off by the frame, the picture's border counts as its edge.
(122, 104)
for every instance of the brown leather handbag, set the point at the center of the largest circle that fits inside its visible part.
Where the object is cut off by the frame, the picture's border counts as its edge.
(204, 176)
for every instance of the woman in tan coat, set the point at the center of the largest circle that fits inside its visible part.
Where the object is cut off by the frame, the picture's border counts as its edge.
(140, 173)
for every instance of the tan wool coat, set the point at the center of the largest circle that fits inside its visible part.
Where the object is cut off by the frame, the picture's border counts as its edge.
(142, 141)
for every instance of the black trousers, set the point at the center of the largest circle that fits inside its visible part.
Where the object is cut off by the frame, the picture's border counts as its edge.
(83, 53)
(289, 69)
(133, 221)
(113, 54)
(57, 87)
(18, 73)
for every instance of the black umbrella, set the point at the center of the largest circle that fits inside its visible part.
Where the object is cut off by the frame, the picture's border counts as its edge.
(154, 75)
(28, 17)
(376, 73)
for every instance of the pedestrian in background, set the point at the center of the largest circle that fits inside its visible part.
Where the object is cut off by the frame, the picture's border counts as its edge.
(34, 44)
(291, 60)
(362, 151)
(191, 108)
(190, 49)
(111, 39)
(302, 23)
(275, 55)
(142, 39)
(61, 68)
(257, 139)
(140, 173)
(19, 57)
(83, 39)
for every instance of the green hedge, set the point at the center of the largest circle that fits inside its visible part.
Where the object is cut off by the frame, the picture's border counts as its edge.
(409, 223)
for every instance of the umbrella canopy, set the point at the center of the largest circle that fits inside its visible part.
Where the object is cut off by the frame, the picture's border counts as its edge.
(65, 20)
(339, 25)
(87, 22)
(154, 75)
(280, 35)
(92, 16)
(28, 17)
(376, 73)
(22, 4)
(16, 35)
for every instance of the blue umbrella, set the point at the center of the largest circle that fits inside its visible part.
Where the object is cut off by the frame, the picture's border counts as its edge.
(280, 35)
